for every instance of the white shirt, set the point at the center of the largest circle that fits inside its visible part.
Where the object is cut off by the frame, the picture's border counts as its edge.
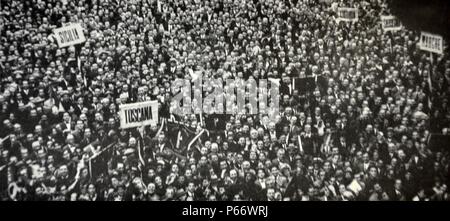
(72, 148)
(161, 147)
(68, 126)
(273, 134)
(263, 183)
(366, 166)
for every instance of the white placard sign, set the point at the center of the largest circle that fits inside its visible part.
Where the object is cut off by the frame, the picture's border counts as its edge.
(138, 114)
(347, 14)
(69, 35)
(431, 42)
(390, 23)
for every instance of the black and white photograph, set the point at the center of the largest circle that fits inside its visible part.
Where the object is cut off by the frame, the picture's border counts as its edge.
(224, 100)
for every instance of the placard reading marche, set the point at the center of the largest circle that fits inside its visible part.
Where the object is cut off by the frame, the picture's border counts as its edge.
(138, 114)
(431, 42)
(347, 14)
(69, 35)
(390, 23)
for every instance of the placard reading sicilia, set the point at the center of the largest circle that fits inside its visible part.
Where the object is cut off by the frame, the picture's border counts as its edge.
(138, 114)
(69, 35)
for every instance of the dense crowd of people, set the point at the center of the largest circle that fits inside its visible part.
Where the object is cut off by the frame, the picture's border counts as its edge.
(358, 131)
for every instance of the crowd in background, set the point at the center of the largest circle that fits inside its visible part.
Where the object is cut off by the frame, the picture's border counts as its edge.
(360, 132)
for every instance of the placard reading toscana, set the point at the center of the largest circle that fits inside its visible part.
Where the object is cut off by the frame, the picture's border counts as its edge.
(138, 114)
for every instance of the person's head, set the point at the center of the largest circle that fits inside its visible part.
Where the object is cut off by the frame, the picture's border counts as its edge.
(270, 194)
(398, 184)
(151, 187)
(91, 189)
(212, 197)
(174, 168)
(161, 138)
(233, 174)
(24, 153)
(38, 129)
(223, 165)
(74, 196)
(421, 193)
(158, 181)
(66, 117)
(365, 157)
(203, 161)
(377, 188)
(385, 196)
(17, 128)
(63, 170)
(190, 187)
(373, 172)
(307, 128)
(241, 140)
(7, 123)
(170, 192)
(280, 153)
(271, 126)
(274, 171)
(254, 134)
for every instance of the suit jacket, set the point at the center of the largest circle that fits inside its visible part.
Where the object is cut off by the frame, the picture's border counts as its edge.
(66, 104)
(64, 84)
(71, 148)
(85, 141)
(78, 135)
(397, 195)
(286, 88)
(261, 183)
(309, 144)
(344, 148)
(171, 71)
(233, 147)
(164, 149)
(279, 128)
(294, 130)
(215, 122)
(274, 134)
(301, 124)
(360, 166)
(77, 109)
(64, 126)
(27, 94)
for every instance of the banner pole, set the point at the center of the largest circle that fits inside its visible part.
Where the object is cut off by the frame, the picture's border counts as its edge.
(143, 144)
(430, 84)
(90, 169)
(300, 143)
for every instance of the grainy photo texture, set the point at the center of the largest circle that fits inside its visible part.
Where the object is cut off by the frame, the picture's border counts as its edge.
(224, 100)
